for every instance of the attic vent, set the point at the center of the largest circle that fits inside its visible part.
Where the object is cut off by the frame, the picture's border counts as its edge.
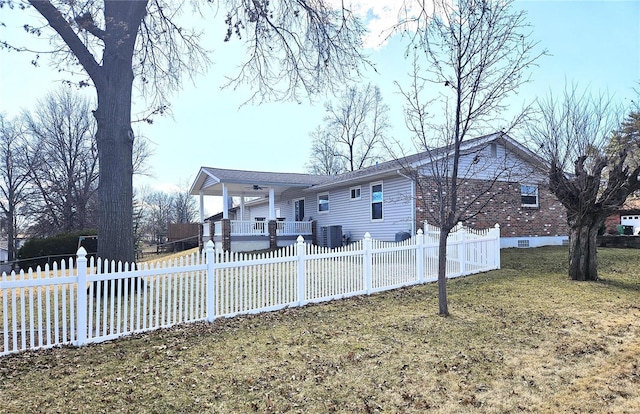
(523, 243)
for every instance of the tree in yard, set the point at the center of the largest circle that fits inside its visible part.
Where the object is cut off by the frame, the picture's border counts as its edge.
(352, 132)
(63, 164)
(324, 159)
(628, 136)
(185, 209)
(14, 178)
(476, 54)
(158, 207)
(573, 134)
(301, 45)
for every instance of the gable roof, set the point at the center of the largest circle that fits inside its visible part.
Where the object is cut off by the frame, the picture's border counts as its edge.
(250, 183)
(256, 183)
(394, 166)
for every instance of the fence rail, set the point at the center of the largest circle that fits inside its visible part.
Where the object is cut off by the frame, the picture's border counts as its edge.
(87, 300)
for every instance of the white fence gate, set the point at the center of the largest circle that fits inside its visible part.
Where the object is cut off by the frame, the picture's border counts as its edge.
(79, 303)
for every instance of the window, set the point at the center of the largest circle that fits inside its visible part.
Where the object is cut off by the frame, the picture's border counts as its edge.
(323, 202)
(355, 193)
(529, 195)
(376, 201)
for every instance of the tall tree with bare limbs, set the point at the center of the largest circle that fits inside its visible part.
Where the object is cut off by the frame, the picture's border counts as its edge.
(469, 57)
(324, 158)
(63, 163)
(293, 47)
(590, 173)
(352, 132)
(14, 178)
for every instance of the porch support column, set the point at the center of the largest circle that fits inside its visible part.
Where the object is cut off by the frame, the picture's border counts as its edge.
(226, 235)
(203, 232)
(225, 202)
(201, 207)
(273, 237)
(242, 208)
(272, 204)
(273, 241)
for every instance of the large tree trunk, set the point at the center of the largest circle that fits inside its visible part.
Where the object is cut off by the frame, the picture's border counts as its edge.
(114, 135)
(443, 307)
(115, 145)
(583, 260)
(113, 80)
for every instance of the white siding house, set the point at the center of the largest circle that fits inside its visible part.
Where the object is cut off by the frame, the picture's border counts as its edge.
(383, 201)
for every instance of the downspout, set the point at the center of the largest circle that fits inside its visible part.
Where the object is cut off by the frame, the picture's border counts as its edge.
(413, 202)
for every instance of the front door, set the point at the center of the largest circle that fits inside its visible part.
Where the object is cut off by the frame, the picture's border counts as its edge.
(298, 209)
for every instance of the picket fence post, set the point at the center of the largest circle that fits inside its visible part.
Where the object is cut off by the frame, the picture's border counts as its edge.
(496, 236)
(300, 251)
(211, 281)
(81, 313)
(367, 262)
(462, 249)
(420, 255)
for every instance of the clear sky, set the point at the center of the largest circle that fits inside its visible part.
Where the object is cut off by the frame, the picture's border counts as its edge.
(593, 43)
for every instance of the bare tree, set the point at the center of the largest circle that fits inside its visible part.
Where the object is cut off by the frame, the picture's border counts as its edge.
(628, 136)
(14, 178)
(185, 209)
(477, 53)
(324, 159)
(572, 135)
(352, 131)
(158, 210)
(142, 152)
(63, 163)
(302, 44)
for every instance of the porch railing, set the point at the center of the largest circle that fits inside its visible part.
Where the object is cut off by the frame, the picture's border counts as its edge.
(293, 228)
(252, 228)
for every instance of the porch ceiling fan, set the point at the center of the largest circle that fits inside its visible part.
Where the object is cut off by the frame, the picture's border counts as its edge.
(254, 187)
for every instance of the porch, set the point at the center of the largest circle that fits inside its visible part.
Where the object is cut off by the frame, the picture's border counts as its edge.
(236, 229)
(251, 235)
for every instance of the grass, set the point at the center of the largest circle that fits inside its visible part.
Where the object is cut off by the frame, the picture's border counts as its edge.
(521, 339)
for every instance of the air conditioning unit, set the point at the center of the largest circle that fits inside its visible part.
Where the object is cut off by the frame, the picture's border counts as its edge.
(331, 236)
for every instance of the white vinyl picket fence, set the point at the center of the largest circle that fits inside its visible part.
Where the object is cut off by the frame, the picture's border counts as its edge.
(77, 302)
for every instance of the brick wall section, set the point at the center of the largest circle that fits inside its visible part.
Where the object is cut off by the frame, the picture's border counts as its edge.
(273, 240)
(611, 224)
(504, 207)
(226, 235)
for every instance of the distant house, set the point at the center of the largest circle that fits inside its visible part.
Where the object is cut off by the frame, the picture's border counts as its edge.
(4, 251)
(628, 215)
(382, 200)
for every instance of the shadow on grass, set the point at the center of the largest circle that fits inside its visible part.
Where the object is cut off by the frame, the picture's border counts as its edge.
(620, 284)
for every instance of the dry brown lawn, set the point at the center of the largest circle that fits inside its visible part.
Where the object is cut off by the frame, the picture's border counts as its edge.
(521, 339)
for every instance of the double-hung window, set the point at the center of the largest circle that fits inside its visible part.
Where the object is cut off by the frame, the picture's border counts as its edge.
(529, 195)
(323, 202)
(355, 193)
(376, 201)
